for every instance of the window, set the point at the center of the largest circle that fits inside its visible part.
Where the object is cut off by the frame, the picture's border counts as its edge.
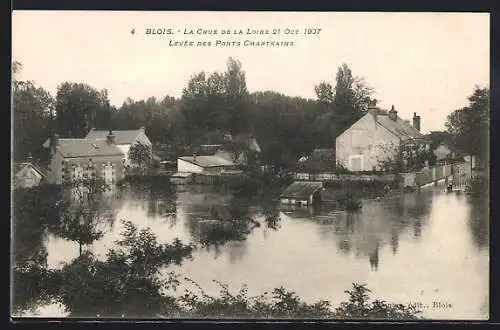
(356, 163)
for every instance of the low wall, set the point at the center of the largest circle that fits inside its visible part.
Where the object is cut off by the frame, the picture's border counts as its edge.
(334, 177)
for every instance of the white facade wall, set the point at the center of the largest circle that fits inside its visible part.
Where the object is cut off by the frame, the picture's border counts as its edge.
(184, 166)
(124, 148)
(362, 146)
(28, 177)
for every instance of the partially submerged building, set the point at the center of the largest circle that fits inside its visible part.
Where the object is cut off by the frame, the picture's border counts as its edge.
(72, 159)
(379, 136)
(302, 193)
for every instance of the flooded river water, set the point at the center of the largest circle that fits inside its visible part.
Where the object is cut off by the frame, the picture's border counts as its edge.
(429, 248)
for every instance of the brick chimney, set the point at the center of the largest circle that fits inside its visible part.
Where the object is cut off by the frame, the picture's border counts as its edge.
(194, 157)
(416, 121)
(393, 114)
(29, 158)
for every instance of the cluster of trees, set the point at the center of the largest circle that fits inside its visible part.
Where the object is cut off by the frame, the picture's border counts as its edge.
(470, 125)
(286, 127)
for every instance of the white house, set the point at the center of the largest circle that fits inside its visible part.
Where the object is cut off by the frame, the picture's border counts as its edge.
(204, 164)
(376, 137)
(124, 139)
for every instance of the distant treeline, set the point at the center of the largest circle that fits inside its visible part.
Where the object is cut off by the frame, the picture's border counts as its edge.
(286, 127)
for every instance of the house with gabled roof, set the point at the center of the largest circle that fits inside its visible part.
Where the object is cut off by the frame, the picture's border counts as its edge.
(235, 148)
(378, 136)
(204, 164)
(72, 159)
(28, 174)
(124, 140)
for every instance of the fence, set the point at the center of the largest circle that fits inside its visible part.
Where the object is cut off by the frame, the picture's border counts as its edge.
(430, 175)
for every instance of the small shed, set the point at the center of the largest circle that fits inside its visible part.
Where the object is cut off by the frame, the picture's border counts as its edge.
(303, 193)
(29, 174)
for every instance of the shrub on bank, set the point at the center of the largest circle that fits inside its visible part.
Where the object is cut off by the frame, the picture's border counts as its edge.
(282, 303)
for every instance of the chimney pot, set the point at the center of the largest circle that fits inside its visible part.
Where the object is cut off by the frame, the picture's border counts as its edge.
(416, 121)
(393, 114)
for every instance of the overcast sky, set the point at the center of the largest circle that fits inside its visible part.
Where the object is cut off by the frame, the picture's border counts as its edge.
(419, 62)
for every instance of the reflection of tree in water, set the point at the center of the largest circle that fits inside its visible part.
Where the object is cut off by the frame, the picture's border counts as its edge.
(374, 257)
(394, 241)
(479, 221)
(156, 198)
(216, 217)
(35, 210)
(236, 251)
(271, 214)
(380, 222)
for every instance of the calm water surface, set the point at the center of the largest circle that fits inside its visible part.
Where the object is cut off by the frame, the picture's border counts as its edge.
(413, 248)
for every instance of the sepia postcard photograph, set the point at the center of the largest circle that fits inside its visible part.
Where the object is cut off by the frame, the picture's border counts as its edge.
(250, 165)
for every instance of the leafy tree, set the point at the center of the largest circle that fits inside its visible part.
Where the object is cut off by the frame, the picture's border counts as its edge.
(80, 107)
(340, 106)
(127, 282)
(156, 116)
(236, 97)
(31, 112)
(84, 212)
(352, 91)
(324, 92)
(140, 155)
(470, 124)
(404, 157)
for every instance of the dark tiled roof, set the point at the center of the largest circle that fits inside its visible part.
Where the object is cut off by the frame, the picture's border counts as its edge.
(320, 160)
(243, 141)
(87, 148)
(121, 137)
(399, 127)
(301, 189)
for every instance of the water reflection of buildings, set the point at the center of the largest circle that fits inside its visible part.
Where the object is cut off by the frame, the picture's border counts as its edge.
(379, 223)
